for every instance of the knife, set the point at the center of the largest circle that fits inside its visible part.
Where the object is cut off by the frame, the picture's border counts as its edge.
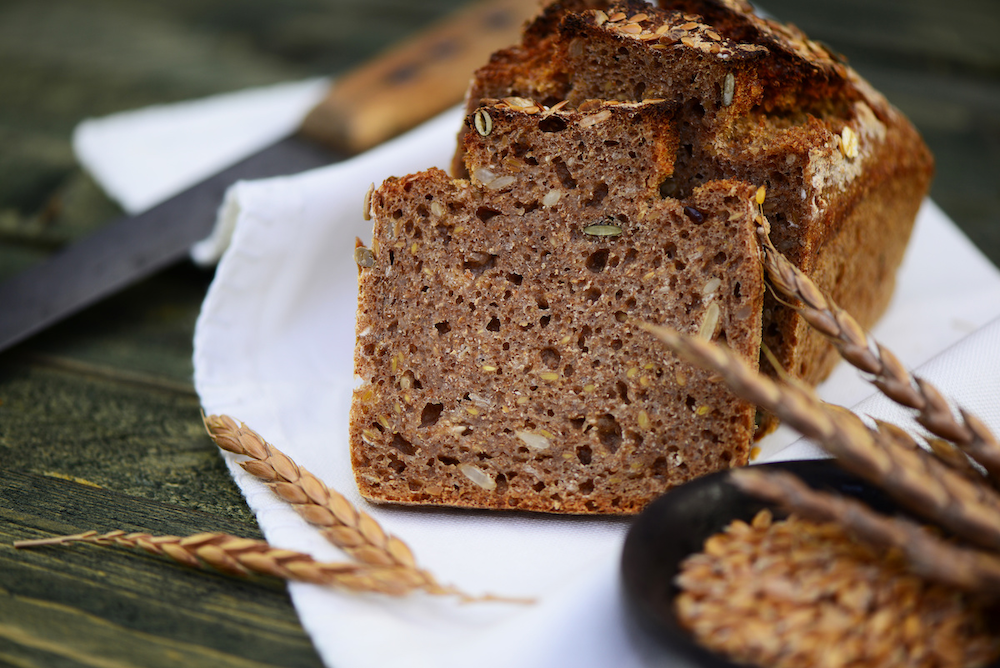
(396, 91)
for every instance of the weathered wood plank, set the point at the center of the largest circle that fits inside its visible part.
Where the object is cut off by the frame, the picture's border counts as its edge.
(98, 606)
(143, 333)
(140, 440)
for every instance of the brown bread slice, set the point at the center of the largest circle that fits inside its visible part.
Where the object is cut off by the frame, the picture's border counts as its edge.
(844, 171)
(499, 346)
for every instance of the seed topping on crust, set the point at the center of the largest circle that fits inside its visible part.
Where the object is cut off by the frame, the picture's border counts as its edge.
(849, 142)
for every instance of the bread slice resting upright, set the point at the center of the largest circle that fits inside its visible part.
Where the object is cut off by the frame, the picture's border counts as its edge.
(499, 325)
(606, 178)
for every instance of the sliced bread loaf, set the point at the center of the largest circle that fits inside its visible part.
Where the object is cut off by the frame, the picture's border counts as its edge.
(500, 347)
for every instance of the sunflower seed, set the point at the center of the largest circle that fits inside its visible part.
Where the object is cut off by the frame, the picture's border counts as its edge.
(602, 230)
(728, 89)
(483, 122)
(364, 257)
(368, 202)
(478, 476)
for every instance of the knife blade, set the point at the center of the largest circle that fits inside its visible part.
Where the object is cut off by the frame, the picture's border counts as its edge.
(397, 90)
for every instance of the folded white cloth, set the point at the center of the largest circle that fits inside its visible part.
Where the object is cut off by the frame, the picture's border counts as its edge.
(144, 156)
(273, 347)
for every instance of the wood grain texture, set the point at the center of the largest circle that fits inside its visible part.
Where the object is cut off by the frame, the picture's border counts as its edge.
(100, 606)
(99, 424)
(416, 79)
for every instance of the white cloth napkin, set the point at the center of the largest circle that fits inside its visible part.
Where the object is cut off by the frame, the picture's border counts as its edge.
(142, 157)
(273, 347)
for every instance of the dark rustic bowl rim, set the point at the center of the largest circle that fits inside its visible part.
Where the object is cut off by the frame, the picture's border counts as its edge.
(676, 525)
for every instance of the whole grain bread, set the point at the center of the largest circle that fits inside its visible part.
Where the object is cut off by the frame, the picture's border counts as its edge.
(606, 177)
(499, 324)
(759, 102)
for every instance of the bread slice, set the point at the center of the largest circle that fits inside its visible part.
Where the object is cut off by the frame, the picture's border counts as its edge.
(754, 101)
(500, 347)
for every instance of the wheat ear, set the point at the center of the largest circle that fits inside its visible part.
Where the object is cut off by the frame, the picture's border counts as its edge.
(940, 448)
(915, 480)
(341, 523)
(383, 564)
(352, 530)
(888, 373)
(926, 554)
(245, 557)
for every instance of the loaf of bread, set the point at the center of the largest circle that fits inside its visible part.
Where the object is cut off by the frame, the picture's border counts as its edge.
(606, 177)
(757, 101)
(500, 322)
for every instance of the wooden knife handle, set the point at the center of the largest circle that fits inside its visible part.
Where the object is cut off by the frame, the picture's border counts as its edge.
(417, 79)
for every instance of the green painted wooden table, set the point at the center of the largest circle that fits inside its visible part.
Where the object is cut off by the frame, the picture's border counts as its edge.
(99, 423)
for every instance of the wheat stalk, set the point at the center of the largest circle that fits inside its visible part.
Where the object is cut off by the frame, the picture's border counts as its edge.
(926, 554)
(940, 448)
(383, 563)
(246, 557)
(342, 524)
(888, 373)
(915, 480)
(352, 530)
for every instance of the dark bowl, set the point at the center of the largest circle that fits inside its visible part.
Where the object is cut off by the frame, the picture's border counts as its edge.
(676, 525)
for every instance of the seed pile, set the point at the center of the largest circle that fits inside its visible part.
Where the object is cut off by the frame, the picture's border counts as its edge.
(796, 593)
